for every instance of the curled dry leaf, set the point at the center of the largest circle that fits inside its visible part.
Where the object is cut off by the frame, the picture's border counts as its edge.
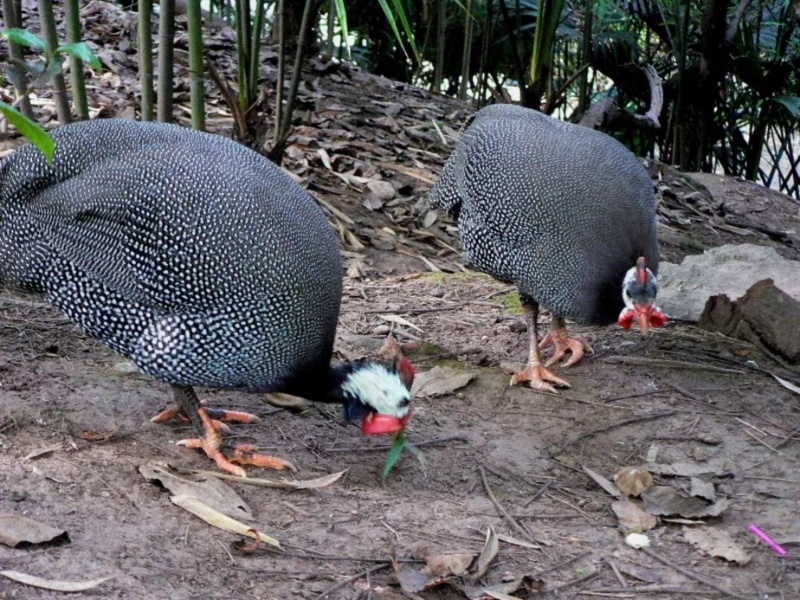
(213, 517)
(306, 484)
(703, 489)
(490, 549)
(18, 529)
(632, 518)
(90, 435)
(56, 585)
(632, 481)
(716, 542)
(665, 501)
(215, 493)
(439, 381)
(601, 481)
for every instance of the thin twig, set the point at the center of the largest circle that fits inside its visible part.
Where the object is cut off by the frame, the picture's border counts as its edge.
(509, 519)
(342, 584)
(92, 473)
(765, 444)
(622, 423)
(692, 575)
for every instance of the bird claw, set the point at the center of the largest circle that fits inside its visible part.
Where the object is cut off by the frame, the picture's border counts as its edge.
(242, 454)
(577, 346)
(539, 378)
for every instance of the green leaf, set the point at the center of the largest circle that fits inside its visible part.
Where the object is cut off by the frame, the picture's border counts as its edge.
(792, 104)
(341, 12)
(394, 454)
(23, 37)
(398, 6)
(81, 50)
(393, 24)
(37, 136)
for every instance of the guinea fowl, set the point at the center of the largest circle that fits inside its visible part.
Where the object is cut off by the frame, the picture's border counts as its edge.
(198, 259)
(566, 214)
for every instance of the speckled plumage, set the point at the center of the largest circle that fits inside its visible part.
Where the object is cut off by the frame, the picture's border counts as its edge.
(558, 209)
(187, 252)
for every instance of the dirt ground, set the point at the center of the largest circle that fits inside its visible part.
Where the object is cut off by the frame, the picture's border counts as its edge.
(680, 401)
(689, 400)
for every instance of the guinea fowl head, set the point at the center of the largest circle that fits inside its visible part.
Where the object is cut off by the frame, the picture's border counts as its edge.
(379, 393)
(639, 291)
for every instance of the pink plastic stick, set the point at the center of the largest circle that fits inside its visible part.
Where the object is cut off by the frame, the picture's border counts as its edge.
(768, 540)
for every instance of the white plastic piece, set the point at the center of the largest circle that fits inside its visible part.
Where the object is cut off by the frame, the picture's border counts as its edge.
(637, 540)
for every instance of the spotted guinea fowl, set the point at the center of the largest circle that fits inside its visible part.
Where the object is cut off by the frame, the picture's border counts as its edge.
(199, 260)
(563, 212)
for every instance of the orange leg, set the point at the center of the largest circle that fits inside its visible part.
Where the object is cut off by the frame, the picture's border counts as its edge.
(559, 338)
(537, 376)
(211, 440)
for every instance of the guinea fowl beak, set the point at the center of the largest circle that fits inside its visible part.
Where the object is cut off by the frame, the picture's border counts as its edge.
(643, 319)
(378, 423)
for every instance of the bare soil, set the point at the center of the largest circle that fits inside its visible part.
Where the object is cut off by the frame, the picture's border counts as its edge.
(680, 395)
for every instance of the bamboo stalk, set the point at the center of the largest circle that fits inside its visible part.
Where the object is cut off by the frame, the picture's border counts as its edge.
(195, 23)
(15, 54)
(166, 41)
(146, 58)
(48, 22)
(73, 23)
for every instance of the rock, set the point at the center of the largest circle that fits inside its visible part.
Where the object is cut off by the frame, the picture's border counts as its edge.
(765, 316)
(731, 269)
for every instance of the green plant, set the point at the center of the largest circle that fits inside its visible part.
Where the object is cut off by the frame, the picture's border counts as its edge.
(42, 70)
(30, 129)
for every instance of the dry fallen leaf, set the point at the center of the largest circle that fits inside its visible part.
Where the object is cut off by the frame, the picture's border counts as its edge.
(602, 482)
(664, 501)
(632, 481)
(445, 565)
(18, 529)
(716, 542)
(490, 549)
(287, 401)
(400, 321)
(213, 517)
(632, 518)
(703, 489)
(215, 493)
(55, 585)
(439, 381)
(689, 469)
(306, 484)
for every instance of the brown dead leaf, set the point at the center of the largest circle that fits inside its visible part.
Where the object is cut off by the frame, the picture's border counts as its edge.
(215, 518)
(215, 493)
(445, 565)
(18, 529)
(665, 501)
(525, 587)
(307, 484)
(602, 482)
(689, 469)
(703, 489)
(287, 401)
(632, 518)
(56, 585)
(90, 435)
(412, 580)
(490, 549)
(632, 481)
(439, 381)
(716, 542)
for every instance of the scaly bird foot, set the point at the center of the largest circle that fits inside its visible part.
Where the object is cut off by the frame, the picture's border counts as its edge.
(576, 345)
(538, 377)
(218, 416)
(244, 454)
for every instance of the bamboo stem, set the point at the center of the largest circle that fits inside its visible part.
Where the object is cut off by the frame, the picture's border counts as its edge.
(195, 23)
(146, 58)
(73, 23)
(166, 40)
(48, 22)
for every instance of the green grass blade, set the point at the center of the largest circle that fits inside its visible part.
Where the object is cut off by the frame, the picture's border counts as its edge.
(341, 12)
(394, 454)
